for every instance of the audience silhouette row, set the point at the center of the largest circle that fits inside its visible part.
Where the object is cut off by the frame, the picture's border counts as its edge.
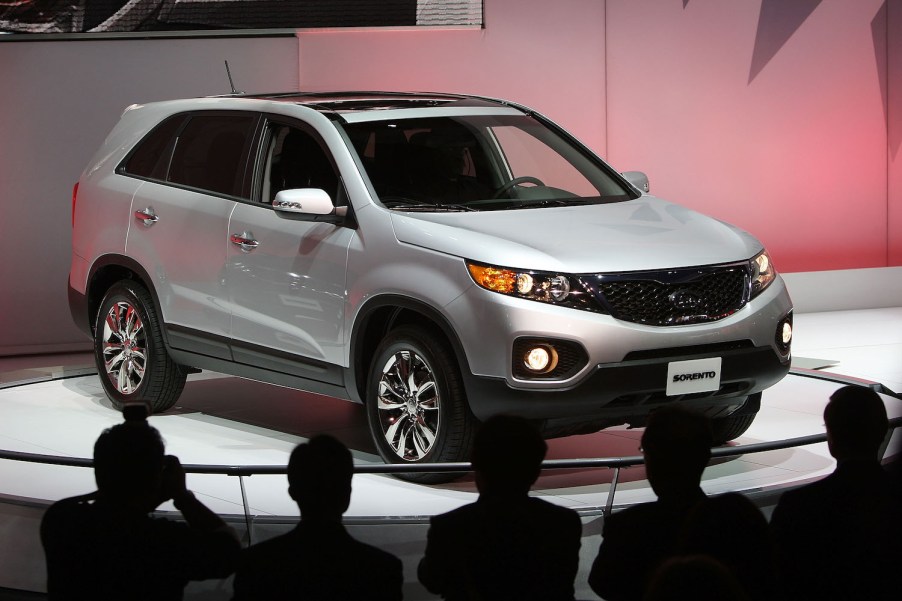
(836, 538)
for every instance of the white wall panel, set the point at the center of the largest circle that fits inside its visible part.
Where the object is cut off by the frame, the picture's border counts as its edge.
(768, 114)
(58, 100)
(549, 56)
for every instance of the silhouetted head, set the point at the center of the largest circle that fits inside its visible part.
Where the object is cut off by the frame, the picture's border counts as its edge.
(677, 447)
(319, 477)
(507, 455)
(128, 464)
(856, 423)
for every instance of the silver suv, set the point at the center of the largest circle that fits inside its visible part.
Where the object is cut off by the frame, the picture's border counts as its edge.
(438, 258)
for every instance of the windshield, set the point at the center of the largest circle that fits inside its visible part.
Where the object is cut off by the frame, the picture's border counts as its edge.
(478, 163)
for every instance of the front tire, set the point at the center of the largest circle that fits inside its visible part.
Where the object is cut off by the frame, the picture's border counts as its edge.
(725, 429)
(131, 357)
(416, 405)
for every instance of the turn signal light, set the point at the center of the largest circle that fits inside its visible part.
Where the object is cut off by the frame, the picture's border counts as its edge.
(495, 279)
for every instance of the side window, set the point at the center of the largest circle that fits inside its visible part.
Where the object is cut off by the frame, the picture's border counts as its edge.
(209, 151)
(150, 158)
(294, 159)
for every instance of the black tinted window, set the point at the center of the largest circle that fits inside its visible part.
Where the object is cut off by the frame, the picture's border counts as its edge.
(209, 153)
(151, 156)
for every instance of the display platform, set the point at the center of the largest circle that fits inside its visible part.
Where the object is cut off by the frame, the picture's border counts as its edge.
(55, 406)
(227, 421)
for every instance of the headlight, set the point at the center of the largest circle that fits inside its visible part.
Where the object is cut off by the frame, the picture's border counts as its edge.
(552, 288)
(763, 273)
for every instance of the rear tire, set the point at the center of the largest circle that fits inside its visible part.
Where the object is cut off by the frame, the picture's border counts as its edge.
(131, 357)
(725, 429)
(416, 405)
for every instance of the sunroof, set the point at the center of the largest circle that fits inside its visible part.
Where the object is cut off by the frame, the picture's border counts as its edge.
(374, 104)
(373, 101)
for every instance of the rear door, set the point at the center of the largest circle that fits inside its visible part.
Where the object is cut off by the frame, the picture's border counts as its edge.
(179, 226)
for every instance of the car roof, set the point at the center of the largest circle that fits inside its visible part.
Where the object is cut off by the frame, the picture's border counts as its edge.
(359, 102)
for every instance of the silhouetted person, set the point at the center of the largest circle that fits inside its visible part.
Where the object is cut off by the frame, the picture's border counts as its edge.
(318, 560)
(732, 530)
(677, 447)
(506, 545)
(694, 578)
(106, 546)
(839, 537)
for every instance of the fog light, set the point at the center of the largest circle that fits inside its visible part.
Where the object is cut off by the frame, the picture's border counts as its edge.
(787, 333)
(783, 336)
(534, 358)
(540, 359)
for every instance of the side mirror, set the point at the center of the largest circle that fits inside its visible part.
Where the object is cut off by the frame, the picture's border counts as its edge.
(638, 179)
(308, 204)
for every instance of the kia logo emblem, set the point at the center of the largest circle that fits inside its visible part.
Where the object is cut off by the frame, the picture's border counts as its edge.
(684, 300)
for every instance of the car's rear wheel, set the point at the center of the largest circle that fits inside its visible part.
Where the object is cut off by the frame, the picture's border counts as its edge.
(131, 358)
(725, 429)
(416, 405)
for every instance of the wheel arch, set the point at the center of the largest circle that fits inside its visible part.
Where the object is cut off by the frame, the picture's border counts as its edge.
(380, 315)
(106, 271)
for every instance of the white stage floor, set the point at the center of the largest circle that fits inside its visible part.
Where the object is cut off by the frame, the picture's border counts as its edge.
(228, 421)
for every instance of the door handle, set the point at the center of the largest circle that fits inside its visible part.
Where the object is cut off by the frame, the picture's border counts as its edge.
(245, 241)
(147, 216)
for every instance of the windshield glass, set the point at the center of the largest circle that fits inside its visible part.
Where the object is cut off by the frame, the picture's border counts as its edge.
(478, 163)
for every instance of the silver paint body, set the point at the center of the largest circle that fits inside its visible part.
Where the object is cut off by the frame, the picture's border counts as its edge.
(302, 289)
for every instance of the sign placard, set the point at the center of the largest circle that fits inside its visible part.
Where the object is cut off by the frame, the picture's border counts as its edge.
(697, 375)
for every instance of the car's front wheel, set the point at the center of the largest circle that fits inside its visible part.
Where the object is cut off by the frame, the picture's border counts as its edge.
(725, 429)
(416, 405)
(129, 351)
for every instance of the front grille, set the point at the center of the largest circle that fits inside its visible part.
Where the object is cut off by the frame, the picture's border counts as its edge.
(675, 297)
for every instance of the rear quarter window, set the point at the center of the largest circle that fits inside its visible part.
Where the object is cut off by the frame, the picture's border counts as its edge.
(150, 158)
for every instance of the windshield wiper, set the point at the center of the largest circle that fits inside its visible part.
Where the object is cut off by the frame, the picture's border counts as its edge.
(550, 202)
(406, 204)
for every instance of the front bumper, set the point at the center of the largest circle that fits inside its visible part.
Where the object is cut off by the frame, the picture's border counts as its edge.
(624, 392)
(488, 324)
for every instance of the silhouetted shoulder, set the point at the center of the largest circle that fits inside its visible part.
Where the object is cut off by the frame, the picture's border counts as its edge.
(521, 549)
(839, 537)
(555, 516)
(81, 541)
(634, 542)
(317, 562)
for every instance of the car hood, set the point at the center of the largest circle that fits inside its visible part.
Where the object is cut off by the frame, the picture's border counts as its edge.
(642, 234)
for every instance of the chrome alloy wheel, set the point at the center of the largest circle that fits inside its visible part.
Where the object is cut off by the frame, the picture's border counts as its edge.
(408, 404)
(124, 347)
